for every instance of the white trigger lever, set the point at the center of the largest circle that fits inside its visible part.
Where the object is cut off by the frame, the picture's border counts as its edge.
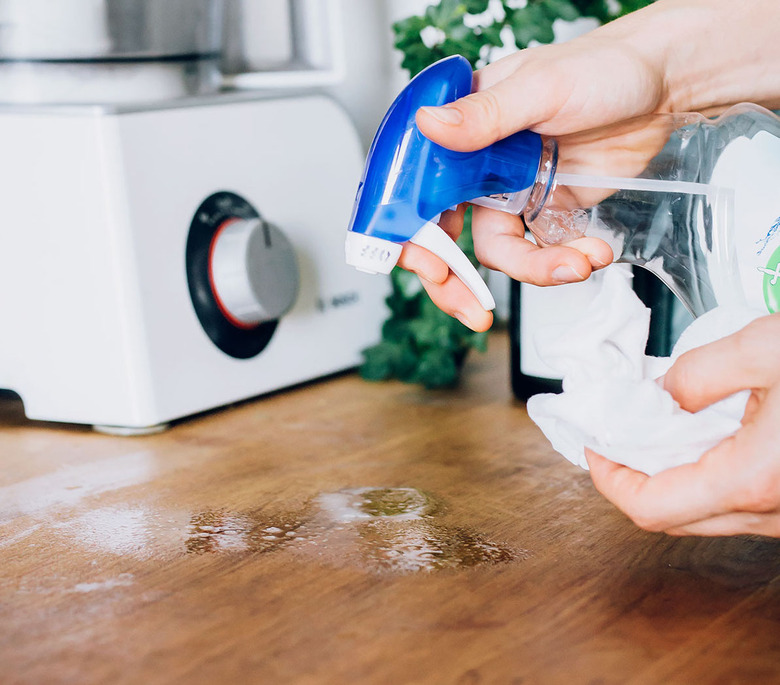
(435, 240)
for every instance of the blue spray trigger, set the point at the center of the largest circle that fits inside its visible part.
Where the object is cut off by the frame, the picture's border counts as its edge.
(408, 179)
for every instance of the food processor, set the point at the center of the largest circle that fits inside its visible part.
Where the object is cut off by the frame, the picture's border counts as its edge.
(170, 243)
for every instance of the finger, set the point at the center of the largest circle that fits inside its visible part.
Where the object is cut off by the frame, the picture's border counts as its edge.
(598, 253)
(446, 290)
(424, 263)
(670, 499)
(497, 71)
(615, 481)
(551, 89)
(475, 121)
(745, 360)
(453, 297)
(739, 475)
(509, 95)
(452, 221)
(500, 244)
(737, 523)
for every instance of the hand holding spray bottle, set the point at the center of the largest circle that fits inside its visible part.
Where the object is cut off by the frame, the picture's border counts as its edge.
(691, 199)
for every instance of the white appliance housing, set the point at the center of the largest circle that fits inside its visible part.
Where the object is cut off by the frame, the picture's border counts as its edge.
(98, 324)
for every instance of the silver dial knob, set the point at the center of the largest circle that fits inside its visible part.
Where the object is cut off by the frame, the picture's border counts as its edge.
(253, 271)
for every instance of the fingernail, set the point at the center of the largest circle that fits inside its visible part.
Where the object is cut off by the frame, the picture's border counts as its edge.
(595, 262)
(566, 274)
(446, 115)
(460, 316)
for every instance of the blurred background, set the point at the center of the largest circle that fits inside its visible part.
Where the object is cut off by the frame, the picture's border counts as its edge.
(78, 51)
(133, 133)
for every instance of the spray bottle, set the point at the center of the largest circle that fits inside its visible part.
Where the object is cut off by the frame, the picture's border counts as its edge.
(696, 201)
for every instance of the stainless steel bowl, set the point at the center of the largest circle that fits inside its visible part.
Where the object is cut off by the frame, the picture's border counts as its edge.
(90, 51)
(110, 30)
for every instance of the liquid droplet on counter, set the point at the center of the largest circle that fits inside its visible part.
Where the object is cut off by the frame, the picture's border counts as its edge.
(425, 546)
(216, 531)
(358, 504)
(378, 530)
(220, 531)
(394, 530)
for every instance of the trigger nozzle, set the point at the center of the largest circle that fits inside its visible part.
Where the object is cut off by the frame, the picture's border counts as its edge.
(435, 240)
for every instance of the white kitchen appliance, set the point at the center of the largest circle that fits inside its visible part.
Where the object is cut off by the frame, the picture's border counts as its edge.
(165, 255)
(160, 261)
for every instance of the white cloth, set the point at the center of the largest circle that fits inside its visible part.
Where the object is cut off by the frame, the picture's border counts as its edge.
(611, 401)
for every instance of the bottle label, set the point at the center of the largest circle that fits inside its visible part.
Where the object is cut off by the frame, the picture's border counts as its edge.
(751, 166)
(772, 281)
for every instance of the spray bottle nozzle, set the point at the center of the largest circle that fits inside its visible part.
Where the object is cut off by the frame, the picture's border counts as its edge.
(376, 255)
(409, 180)
(666, 201)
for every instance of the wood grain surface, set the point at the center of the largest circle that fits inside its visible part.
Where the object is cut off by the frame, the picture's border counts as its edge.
(351, 532)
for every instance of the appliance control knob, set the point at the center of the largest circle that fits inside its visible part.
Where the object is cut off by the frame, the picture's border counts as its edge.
(253, 271)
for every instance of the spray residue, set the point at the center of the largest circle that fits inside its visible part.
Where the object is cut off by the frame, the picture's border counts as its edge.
(379, 530)
(393, 530)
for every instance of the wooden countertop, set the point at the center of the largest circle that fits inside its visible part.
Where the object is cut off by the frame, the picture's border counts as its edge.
(350, 532)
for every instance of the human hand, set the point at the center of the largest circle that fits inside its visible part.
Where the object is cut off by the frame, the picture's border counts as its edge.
(592, 81)
(667, 57)
(735, 487)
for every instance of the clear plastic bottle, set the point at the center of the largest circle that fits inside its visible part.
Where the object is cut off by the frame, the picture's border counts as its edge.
(696, 201)
(693, 200)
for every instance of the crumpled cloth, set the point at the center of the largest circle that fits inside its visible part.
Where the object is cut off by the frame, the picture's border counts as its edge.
(611, 401)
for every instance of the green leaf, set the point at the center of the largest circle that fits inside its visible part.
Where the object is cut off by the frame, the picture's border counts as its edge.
(468, 49)
(426, 332)
(531, 23)
(446, 13)
(389, 359)
(561, 9)
(418, 56)
(407, 363)
(460, 32)
(491, 35)
(628, 6)
(438, 369)
(476, 6)
(380, 361)
(397, 330)
(409, 27)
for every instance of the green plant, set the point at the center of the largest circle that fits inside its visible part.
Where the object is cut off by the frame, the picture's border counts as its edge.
(420, 343)
(474, 28)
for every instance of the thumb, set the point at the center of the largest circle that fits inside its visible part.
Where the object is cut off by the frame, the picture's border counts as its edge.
(520, 91)
(480, 119)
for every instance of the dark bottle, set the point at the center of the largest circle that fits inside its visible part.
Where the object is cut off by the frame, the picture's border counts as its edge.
(530, 307)
(526, 381)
